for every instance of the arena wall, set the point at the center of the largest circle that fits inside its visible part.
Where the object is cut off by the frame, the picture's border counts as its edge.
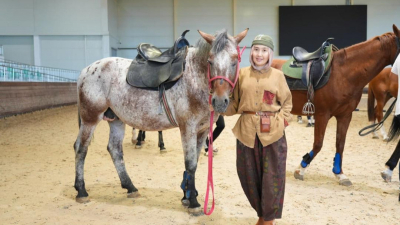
(23, 97)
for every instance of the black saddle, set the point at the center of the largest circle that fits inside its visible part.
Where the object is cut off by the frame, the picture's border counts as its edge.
(301, 55)
(314, 65)
(152, 68)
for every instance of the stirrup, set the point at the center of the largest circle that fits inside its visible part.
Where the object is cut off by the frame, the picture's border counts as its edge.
(308, 108)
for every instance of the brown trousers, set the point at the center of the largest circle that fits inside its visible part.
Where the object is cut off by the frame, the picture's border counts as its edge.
(262, 173)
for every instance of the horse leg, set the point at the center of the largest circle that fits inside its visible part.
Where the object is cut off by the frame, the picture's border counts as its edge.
(161, 141)
(321, 121)
(81, 148)
(114, 147)
(192, 144)
(134, 136)
(139, 139)
(379, 116)
(343, 123)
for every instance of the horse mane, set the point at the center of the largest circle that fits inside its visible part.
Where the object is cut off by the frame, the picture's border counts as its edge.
(203, 48)
(384, 39)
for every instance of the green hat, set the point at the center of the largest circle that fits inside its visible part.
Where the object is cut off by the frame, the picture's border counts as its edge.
(263, 39)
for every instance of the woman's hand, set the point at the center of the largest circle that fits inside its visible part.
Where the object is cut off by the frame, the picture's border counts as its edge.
(210, 107)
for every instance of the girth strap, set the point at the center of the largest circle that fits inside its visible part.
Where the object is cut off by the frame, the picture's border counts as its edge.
(164, 104)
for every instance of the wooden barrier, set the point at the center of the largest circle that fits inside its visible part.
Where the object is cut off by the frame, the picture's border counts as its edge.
(23, 97)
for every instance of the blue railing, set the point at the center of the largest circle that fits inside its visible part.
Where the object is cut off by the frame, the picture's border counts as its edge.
(14, 71)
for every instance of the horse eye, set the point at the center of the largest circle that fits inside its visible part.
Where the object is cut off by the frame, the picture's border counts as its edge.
(209, 62)
(234, 64)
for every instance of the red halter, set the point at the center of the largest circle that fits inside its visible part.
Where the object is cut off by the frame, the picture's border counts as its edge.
(210, 182)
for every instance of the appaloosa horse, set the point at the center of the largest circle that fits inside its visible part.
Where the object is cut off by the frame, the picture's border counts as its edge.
(382, 88)
(352, 68)
(103, 85)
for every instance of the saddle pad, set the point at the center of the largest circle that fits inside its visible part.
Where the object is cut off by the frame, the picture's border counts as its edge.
(295, 72)
(298, 85)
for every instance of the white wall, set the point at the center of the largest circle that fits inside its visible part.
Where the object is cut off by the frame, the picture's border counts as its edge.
(149, 21)
(18, 48)
(113, 23)
(207, 15)
(17, 17)
(70, 52)
(52, 17)
(381, 16)
(123, 24)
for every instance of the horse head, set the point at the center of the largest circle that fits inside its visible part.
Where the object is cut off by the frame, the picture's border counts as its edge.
(223, 66)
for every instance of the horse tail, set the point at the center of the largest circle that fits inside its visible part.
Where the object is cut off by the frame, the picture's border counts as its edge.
(394, 130)
(370, 103)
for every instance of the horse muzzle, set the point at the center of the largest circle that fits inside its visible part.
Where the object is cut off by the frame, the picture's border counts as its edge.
(220, 104)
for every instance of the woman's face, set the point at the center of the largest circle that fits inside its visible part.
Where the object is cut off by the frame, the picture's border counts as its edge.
(260, 55)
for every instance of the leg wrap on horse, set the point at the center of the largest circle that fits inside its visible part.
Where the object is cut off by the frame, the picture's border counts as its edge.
(337, 163)
(307, 158)
(189, 191)
(188, 185)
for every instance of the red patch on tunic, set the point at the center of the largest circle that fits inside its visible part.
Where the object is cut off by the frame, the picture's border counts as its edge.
(286, 123)
(268, 97)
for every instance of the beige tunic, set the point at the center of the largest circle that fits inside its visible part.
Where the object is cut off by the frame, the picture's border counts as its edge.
(260, 91)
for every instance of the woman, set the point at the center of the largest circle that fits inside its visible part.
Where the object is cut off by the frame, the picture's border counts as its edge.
(263, 99)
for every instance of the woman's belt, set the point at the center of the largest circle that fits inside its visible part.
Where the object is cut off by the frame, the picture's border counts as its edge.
(260, 113)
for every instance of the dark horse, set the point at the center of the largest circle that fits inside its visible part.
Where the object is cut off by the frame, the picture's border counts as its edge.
(352, 68)
(141, 136)
(382, 88)
(103, 85)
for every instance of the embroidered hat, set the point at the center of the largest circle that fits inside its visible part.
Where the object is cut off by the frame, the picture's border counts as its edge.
(263, 39)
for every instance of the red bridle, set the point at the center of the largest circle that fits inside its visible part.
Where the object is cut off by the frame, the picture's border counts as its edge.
(210, 182)
(225, 78)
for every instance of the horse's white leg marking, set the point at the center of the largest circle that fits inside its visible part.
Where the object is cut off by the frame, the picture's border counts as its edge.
(343, 180)
(299, 172)
(384, 134)
(134, 136)
(374, 134)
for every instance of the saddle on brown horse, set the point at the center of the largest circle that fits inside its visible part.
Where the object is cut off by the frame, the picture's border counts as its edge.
(309, 71)
(152, 68)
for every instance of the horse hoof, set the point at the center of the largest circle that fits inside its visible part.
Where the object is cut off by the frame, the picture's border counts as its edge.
(138, 146)
(82, 199)
(298, 176)
(195, 211)
(345, 182)
(133, 194)
(185, 202)
(385, 139)
(386, 177)
(163, 150)
(134, 141)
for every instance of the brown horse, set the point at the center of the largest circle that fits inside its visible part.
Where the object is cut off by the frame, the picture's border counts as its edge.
(351, 69)
(382, 88)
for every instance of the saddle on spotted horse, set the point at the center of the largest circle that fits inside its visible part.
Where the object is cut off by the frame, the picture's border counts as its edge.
(159, 71)
(309, 71)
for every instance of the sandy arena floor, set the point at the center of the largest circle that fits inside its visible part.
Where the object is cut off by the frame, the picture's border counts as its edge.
(37, 177)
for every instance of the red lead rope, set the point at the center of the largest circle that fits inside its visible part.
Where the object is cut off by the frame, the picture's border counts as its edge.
(210, 182)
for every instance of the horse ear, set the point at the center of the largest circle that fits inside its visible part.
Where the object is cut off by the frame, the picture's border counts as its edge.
(396, 31)
(208, 37)
(240, 36)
